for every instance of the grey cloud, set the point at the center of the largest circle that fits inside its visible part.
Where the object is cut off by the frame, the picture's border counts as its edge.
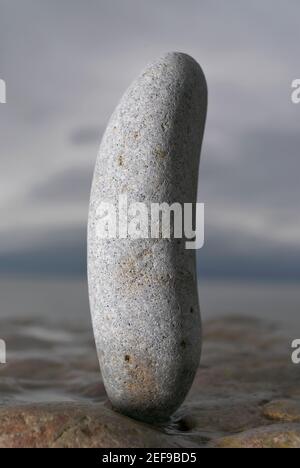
(226, 255)
(86, 135)
(56, 253)
(71, 186)
(263, 174)
(66, 64)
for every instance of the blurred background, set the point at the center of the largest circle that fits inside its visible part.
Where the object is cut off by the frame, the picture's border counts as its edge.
(66, 64)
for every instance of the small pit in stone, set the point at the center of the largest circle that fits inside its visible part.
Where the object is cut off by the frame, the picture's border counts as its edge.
(127, 358)
(120, 160)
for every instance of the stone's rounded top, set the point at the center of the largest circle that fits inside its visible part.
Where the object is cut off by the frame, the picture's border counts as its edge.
(165, 81)
(178, 60)
(154, 136)
(174, 67)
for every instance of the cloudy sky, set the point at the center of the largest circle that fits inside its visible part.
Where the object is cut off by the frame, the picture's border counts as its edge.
(66, 64)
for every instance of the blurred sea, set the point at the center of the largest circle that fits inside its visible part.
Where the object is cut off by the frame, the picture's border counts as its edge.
(49, 301)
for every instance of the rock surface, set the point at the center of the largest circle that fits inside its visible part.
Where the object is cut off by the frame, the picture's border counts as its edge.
(275, 436)
(246, 394)
(143, 292)
(283, 410)
(74, 426)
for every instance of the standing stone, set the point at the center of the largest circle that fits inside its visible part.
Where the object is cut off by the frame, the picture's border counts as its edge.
(143, 292)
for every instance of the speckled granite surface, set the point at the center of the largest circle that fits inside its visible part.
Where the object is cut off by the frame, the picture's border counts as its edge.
(143, 292)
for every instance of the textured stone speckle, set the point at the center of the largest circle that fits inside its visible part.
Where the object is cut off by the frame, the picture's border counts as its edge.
(142, 291)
